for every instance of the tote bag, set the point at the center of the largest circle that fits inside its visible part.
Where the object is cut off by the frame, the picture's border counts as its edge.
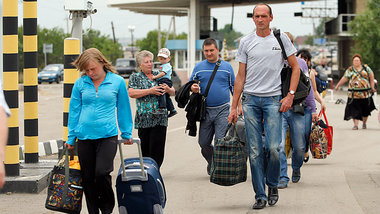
(65, 186)
(229, 164)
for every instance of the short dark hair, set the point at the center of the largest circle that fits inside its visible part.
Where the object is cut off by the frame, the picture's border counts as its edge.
(210, 41)
(260, 4)
(304, 53)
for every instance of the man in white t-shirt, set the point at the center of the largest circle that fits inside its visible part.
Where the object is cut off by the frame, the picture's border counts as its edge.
(260, 64)
(4, 113)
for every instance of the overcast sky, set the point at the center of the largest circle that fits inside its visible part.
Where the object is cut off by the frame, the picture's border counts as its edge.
(51, 14)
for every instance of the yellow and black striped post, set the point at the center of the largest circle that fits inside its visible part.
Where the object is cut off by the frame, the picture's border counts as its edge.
(30, 81)
(10, 82)
(71, 74)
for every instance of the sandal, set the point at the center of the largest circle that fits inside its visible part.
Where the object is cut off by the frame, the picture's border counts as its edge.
(364, 126)
(355, 128)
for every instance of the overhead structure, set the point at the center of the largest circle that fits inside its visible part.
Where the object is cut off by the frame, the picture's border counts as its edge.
(198, 12)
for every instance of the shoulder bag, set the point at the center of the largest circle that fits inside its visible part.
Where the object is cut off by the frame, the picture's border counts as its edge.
(202, 104)
(303, 87)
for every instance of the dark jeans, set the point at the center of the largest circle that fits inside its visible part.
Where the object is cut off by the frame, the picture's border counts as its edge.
(165, 101)
(96, 162)
(153, 142)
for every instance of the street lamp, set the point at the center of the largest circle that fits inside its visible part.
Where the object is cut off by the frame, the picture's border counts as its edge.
(132, 28)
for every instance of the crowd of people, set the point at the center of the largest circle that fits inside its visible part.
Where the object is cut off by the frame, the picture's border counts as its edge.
(256, 93)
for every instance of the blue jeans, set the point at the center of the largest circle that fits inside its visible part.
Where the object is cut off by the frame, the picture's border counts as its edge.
(213, 126)
(256, 109)
(308, 121)
(296, 124)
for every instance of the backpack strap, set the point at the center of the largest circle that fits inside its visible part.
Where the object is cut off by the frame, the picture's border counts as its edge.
(277, 34)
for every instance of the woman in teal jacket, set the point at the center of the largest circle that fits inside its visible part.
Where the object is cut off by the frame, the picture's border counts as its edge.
(92, 121)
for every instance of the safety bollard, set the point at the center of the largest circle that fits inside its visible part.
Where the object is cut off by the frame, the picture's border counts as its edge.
(10, 84)
(71, 74)
(30, 81)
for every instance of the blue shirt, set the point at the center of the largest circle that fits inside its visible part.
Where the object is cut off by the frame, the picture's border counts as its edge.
(92, 113)
(222, 84)
(167, 68)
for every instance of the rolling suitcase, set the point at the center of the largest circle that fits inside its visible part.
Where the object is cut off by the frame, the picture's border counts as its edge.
(139, 185)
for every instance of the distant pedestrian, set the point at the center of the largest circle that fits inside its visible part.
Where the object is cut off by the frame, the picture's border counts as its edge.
(305, 55)
(165, 76)
(259, 79)
(295, 120)
(218, 98)
(4, 113)
(94, 124)
(360, 88)
(150, 120)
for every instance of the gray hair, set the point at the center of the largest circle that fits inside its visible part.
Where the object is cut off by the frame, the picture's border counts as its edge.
(141, 55)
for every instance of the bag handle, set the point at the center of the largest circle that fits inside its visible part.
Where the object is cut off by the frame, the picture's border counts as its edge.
(232, 127)
(67, 174)
(277, 34)
(322, 112)
(211, 78)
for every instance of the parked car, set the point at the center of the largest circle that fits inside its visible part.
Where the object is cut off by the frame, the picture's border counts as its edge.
(51, 73)
(126, 67)
(175, 78)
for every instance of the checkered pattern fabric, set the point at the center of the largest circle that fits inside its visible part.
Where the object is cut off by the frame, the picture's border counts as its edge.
(229, 165)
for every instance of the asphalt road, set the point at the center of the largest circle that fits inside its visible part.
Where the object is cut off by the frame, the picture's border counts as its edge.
(348, 181)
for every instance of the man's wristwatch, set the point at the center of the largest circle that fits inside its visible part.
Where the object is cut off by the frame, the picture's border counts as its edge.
(291, 92)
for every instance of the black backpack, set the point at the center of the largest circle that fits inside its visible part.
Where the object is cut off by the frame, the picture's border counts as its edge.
(303, 87)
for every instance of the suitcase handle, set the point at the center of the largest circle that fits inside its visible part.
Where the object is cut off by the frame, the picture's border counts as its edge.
(163, 191)
(138, 142)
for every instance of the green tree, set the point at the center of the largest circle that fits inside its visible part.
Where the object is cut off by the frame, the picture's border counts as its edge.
(366, 34)
(104, 43)
(150, 42)
(230, 35)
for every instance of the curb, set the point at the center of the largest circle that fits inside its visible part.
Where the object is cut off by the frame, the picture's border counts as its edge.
(45, 148)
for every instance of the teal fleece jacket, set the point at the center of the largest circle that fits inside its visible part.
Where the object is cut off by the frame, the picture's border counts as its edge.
(92, 113)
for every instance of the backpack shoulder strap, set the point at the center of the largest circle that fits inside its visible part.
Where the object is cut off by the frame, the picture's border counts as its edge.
(277, 34)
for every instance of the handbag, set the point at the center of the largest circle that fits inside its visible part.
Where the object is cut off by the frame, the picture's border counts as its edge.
(202, 104)
(303, 87)
(229, 164)
(65, 186)
(328, 131)
(321, 138)
(288, 145)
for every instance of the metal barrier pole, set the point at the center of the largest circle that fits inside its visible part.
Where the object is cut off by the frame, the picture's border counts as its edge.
(71, 74)
(30, 81)
(10, 82)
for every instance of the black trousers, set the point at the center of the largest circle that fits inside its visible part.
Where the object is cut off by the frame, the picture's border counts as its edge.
(153, 142)
(96, 162)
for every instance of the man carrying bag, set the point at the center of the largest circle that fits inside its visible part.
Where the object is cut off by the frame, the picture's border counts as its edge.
(214, 119)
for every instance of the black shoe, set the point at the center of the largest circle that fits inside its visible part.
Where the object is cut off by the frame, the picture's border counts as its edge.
(259, 204)
(272, 196)
(296, 176)
(209, 169)
(172, 113)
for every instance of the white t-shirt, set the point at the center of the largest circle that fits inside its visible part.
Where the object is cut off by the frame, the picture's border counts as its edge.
(264, 61)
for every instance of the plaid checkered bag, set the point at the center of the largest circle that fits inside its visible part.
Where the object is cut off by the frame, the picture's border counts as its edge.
(229, 164)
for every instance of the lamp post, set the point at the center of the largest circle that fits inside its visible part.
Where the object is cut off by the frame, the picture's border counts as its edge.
(132, 28)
